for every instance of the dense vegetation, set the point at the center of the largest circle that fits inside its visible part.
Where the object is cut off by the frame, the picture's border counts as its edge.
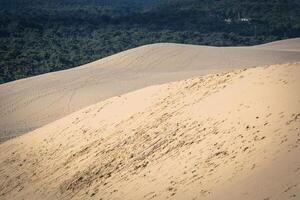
(39, 36)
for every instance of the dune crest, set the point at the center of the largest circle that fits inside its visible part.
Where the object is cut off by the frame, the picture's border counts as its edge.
(30, 103)
(221, 136)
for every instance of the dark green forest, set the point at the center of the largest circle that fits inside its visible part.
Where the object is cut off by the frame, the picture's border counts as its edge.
(39, 36)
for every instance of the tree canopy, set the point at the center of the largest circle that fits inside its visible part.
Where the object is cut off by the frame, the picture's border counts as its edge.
(39, 36)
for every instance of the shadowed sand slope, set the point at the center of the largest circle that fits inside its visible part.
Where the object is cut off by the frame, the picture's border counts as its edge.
(228, 136)
(30, 103)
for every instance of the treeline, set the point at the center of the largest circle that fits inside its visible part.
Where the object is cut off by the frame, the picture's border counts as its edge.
(46, 36)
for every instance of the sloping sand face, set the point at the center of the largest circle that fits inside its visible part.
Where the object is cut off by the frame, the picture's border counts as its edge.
(228, 136)
(289, 44)
(33, 102)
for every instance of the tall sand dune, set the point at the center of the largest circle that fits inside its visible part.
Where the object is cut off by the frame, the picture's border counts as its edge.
(289, 44)
(232, 136)
(33, 102)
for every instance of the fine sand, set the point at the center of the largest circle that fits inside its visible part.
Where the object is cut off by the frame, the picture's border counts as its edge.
(226, 136)
(33, 102)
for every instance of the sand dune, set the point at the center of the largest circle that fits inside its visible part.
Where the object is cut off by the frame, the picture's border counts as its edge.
(289, 44)
(33, 102)
(228, 136)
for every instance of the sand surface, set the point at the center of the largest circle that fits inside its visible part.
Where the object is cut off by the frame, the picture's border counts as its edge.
(33, 102)
(232, 136)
